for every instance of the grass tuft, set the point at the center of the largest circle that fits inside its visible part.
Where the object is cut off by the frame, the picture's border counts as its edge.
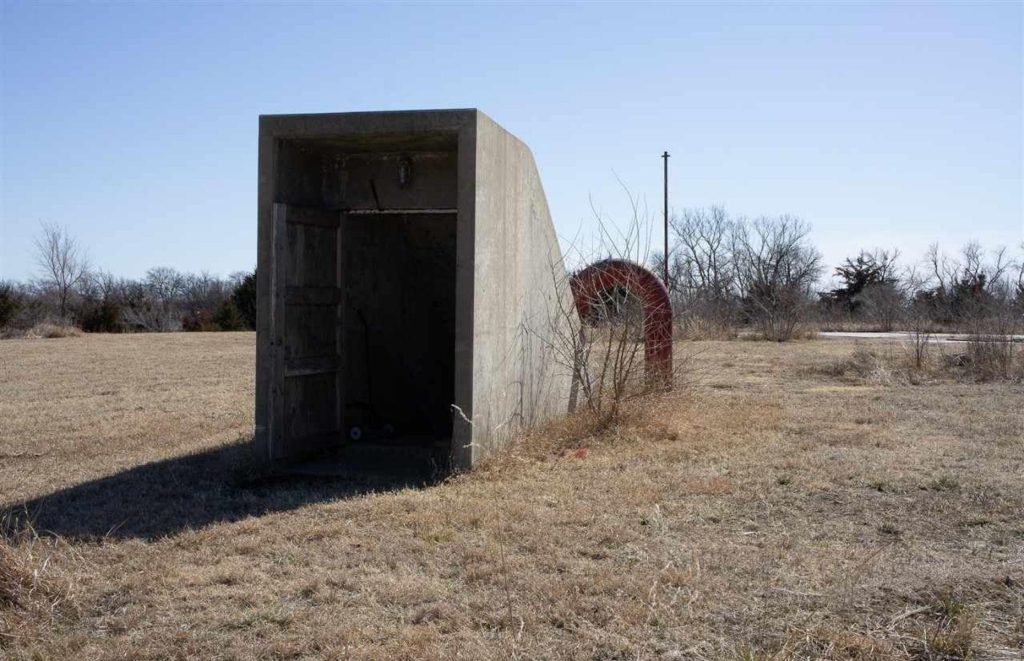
(944, 482)
(35, 585)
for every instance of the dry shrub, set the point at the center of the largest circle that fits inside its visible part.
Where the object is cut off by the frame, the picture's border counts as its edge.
(51, 330)
(45, 330)
(867, 366)
(604, 311)
(799, 331)
(977, 360)
(983, 360)
(702, 328)
(805, 331)
(606, 353)
(991, 358)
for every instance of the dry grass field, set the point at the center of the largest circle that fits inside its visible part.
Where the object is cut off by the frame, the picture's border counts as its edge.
(787, 505)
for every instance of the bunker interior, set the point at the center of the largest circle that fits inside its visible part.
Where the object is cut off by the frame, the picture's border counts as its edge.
(364, 285)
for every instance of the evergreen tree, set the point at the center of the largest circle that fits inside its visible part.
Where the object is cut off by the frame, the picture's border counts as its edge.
(228, 317)
(244, 300)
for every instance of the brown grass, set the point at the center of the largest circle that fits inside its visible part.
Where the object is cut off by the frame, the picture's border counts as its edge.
(779, 510)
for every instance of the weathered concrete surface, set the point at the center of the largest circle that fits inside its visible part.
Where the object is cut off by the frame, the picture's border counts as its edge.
(516, 380)
(317, 172)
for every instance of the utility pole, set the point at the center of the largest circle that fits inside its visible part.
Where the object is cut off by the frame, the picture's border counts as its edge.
(665, 157)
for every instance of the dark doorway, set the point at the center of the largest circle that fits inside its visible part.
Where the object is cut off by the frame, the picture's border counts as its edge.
(399, 274)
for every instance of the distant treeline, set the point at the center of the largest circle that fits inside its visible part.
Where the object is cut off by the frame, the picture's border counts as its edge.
(728, 273)
(164, 300)
(69, 291)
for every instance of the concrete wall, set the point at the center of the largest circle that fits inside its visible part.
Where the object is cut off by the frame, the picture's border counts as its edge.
(516, 380)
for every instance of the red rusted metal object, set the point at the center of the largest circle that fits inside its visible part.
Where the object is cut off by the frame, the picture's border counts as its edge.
(614, 274)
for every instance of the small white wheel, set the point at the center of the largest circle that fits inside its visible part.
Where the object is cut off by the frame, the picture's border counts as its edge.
(355, 432)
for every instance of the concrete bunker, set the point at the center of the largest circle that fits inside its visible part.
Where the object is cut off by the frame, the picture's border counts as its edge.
(401, 256)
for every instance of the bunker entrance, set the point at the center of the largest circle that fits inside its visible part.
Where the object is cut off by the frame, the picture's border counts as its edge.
(362, 318)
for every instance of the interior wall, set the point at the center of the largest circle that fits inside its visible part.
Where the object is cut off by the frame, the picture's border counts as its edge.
(327, 176)
(372, 181)
(399, 274)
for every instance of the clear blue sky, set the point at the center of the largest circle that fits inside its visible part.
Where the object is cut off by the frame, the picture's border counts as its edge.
(881, 124)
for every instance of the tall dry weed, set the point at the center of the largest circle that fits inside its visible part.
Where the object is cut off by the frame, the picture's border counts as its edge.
(36, 584)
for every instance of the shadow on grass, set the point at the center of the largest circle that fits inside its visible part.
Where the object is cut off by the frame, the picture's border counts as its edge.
(192, 491)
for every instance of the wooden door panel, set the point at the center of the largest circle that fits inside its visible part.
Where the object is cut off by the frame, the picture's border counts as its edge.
(306, 339)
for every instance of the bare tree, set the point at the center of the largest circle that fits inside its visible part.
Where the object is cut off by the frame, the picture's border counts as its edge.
(969, 288)
(883, 304)
(940, 269)
(62, 261)
(106, 285)
(776, 266)
(887, 262)
(204, 290)
(919, 341)
(703, 273)
(1018, 295)
(155, 303)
